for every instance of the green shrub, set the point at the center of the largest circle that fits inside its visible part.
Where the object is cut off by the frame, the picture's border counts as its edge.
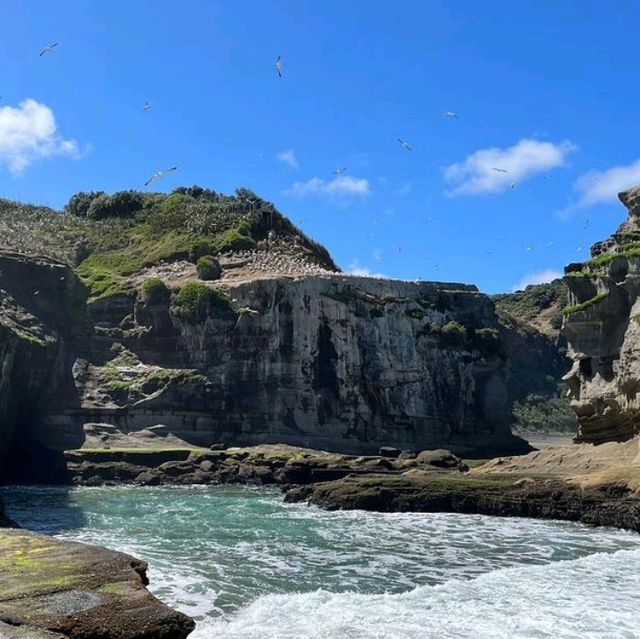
(120, 204)
(454, 328)
(176, 204)
(200, 249)
(155, 291)
(79, 203)
(195, 302)
(208, 268)
(234, 240)
(454, 333)
(487, 333)
(197, 192)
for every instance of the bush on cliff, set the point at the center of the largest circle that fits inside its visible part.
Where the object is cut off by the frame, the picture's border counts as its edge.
(195, 302)
(208, 268)
(155, 291)
(120, 204)
(79, 203)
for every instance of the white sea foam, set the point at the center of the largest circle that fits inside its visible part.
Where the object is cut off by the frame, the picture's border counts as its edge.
(595, 597)
(234, 559)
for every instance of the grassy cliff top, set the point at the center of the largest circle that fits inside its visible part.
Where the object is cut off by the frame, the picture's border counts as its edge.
(109, 238)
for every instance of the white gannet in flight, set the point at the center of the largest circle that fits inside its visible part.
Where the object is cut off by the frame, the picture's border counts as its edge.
(497, 170)
(404, 144)
(146, 106)
(340, 170)
(450, 114)
(279, 66)
(48, 49)
(158, 174)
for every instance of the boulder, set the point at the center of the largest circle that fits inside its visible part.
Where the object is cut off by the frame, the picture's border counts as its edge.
(439, 458)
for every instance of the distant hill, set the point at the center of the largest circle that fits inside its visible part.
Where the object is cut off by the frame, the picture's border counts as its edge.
(539, 305)
(542, 403)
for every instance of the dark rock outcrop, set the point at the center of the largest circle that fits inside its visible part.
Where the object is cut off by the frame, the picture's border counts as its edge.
(42, 313)
(602, 327)
(420, 491)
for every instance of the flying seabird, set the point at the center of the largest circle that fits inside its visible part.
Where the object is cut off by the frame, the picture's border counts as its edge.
(340, 170)
(146, 106)
(586, 224)
(279, 66)
(404, 144)
(497, 170)
(450, 114)
(48, 49)
(158, 174)
(512, 185)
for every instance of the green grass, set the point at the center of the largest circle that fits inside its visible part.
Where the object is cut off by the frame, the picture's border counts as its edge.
(165, 228)
(196, 301)
(576, 308)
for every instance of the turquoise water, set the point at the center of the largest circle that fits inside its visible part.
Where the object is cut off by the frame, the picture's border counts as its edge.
(247, 566)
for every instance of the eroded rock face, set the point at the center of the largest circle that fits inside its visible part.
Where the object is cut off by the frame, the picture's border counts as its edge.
(41, 313)
(332, 362)
(602, 327)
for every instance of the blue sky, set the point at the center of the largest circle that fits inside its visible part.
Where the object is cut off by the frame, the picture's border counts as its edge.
(546, 90)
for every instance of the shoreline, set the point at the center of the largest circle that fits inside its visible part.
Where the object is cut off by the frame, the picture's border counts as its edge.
(535, 485)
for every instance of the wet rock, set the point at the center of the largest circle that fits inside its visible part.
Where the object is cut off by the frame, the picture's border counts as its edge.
(148, 478)
(63, 589)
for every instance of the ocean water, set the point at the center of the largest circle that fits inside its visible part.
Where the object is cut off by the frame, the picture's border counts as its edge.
(247, 566)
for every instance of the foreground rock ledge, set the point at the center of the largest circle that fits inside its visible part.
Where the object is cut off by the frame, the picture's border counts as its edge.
(52, 589)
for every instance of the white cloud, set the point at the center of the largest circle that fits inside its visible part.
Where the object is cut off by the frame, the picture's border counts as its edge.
(476, 173)
(538, 277)
(29, 132)
(596, 187)
(343, 185)
(404, 189)
(289, 158)
(362, 271)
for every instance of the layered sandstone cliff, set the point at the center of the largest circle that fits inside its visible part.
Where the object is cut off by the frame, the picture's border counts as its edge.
(602, 327)
(217, 318)
(328, 361)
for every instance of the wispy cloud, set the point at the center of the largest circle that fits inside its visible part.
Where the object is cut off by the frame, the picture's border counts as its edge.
(341, 186)
(289, 158)
(362, 271)
(597, 187)
(476, 174)
(537, 277)
(404, 189)
(29, 132)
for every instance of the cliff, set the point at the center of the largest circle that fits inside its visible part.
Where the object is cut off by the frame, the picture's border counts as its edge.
(42, 312)
(217, 318)
(602, 327)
